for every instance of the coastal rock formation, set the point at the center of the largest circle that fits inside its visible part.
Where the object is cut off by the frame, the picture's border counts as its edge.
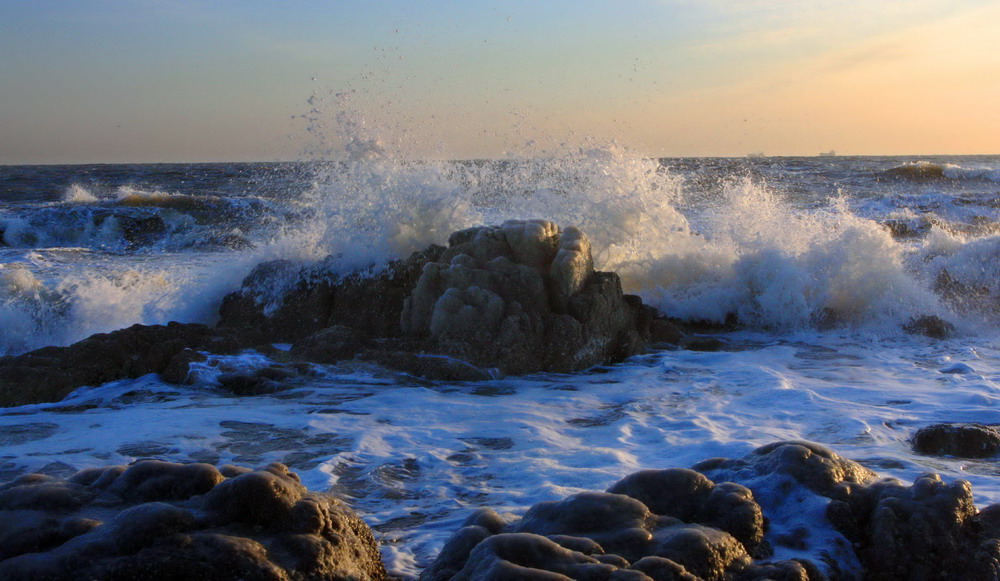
(679, 524)
(50, 373)
(517, 298)
(520, 297)
(524, 297)
(159, 520)
(961, 440)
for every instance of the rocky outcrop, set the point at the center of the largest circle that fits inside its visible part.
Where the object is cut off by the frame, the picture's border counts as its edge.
(680, 524)
(50, 373)
(929, 326)
(519, 298)
(158, 520)
(284, 301)
(524, 297)
(961, 440)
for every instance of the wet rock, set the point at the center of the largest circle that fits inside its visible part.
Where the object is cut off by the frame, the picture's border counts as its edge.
(678, 524)
(814, 466)
(663, 331)
(691, 497)
(591, 535)
(249, 384)
(907, 229)
(961, 440)
(708, 344)
(524, 297)
(157, 520)
(919, 532)
(281, 301)
(434, 367)
(528, 556)
(178, 369)
(50, 373)
(520, 297)
(329, 345)
(929, 326)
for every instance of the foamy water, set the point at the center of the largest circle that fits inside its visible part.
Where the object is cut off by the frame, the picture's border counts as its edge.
(797, 249)
(414, 458)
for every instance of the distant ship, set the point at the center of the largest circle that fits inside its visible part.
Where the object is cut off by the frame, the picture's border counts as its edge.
(830, 153)
(756, 154)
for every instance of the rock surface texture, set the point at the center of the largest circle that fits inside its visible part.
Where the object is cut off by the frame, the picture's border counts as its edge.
(679, 524)
(159, 520)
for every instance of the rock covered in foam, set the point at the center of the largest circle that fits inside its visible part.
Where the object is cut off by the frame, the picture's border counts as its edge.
(159, 520)
(679, 524)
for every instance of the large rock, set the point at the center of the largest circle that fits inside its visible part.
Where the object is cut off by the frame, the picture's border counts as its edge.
(158, 520)
(679, 524)
(517, 298)
(50, 373)
(520, 297)
(283, 301)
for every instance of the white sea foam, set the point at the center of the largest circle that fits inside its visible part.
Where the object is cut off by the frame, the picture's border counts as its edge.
(415, 458)
(740, 249)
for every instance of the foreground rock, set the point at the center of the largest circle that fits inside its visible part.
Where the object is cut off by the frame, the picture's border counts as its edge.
(521, 297)
(158, 520)
(792, 498)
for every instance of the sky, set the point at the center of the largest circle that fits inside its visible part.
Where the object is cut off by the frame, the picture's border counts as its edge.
(92, 81)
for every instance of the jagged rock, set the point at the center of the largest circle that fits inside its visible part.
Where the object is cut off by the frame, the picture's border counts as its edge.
(524, 297)
(961, 440)
(178, 369)
(918, 532)
(929, 326)
(517, 298)
(329, 345)
(281, 301)
(159, 520)
(520, 297)
(50, 373)
(663, 331)
(908, 228)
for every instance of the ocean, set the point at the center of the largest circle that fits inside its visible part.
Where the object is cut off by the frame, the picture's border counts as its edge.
(821, 260)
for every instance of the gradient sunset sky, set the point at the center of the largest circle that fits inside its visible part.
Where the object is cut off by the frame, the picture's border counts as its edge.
(188, 80)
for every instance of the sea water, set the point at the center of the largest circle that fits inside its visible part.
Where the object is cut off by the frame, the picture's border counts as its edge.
(822, 261)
